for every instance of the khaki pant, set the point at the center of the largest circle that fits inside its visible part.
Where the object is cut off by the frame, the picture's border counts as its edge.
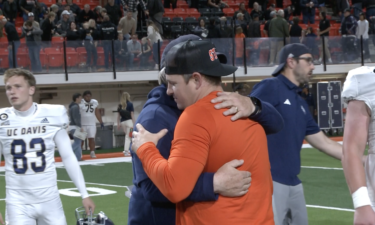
(326, 49)
(276, 46)
(126, 126)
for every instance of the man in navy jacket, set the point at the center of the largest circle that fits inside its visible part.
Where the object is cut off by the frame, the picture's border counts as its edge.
(147, 204)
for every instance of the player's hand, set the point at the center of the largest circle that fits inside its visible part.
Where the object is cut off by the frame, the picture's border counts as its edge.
(143, 136)
(1, 219)
(364, 216)
(89, 205)
(240, 106)
(102, 126)
(230, 182)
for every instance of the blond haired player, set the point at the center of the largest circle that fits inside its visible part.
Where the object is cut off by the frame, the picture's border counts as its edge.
(28, 135)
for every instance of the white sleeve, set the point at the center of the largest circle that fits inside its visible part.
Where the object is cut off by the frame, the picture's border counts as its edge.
(70, 162)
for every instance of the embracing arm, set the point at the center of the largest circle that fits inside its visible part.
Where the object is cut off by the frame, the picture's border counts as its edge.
(321, 142)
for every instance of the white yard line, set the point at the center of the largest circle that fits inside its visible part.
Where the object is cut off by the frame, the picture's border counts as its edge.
(323, 168)
(331, 208)
(309, 146)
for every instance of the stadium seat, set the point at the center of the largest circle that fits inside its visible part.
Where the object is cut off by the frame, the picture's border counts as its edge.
(167, 23)
(228, 12)
(176, 30)
(205, 12)
(48, 2)
(192, 12)
(71, 59)
(100, 51)
(54, 57)
(82, 54)
(4, 60)
(180, 12)
(57, 42)
(43, 58)
(182, 4)
(231, 4)
(178, 20)
(217, 12)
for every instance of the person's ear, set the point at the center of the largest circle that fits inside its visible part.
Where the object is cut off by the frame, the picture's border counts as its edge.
(197, 78)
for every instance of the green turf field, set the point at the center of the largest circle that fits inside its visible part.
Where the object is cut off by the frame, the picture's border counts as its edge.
(323, 188)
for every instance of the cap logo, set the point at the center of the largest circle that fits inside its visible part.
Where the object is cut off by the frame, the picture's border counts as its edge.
(212, 54)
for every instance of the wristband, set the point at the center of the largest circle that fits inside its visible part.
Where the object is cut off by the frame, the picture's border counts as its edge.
(361, 197)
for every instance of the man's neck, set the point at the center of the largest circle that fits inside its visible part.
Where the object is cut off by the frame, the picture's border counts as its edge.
(25, 111)
(207, 89)
(290, 76)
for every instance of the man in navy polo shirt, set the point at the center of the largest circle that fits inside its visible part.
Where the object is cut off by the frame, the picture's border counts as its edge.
(283, 92)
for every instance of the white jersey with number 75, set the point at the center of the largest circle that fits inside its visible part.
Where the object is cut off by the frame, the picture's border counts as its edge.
(87, 110)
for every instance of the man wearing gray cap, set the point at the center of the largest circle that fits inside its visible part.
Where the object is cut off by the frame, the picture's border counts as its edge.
(203, 140)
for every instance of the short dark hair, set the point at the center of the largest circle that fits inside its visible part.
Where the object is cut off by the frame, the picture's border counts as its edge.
(75, 96)
(29, 23)
(324, 15)
(86, 93)
(213, 80)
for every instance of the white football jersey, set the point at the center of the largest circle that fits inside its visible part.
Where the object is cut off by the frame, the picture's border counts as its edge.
(28, 147)
(360, 85)
(87, 110)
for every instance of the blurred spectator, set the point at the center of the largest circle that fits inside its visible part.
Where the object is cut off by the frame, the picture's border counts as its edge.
(126, 25)
(256, 10)
(370, 8)
(267, 13)
(90, 46)
(349, 24)
(295, 31)
(64, 23)
(240, 21)
(254, 34)
(73, 36)
(309, 38)
(362, 30)
(103, 12)
(308, 10)
(348, 41)
(145, 54)
(213, 30)
(98, 14)
(55, 9)
(297, 7)
(278, 29)
(10, 10)
(239, 45)
(40, 11)
(156, 10)
(167, 4)
(31, 18)
(154, 36)
(13, 37)
(288, 12)
(121, 49)
(33, 36)
(254, 27)
(357, 8)
(323, 31)
(342, 5)
(134, 48)
(72, 17)
(267, 24)
(48, 29)
(1, 4)
(243, 10)
(74, 7)
(108, 33)
(26, 6)
(113, 11)
(60, 5)
(86, 14)
(225, 29)
(201, 26)
(217, 4)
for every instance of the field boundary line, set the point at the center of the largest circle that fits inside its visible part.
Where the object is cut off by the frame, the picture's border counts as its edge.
(331, 208)
(323, 168)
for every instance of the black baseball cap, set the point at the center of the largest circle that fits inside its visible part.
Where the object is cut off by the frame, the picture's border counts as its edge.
(290, 51)
(196, 56)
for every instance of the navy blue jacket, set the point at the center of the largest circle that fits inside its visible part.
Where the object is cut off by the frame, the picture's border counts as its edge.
(284, 147)
(147, 204)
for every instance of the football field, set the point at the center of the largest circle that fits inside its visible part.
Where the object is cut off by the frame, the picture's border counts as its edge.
(326, 192)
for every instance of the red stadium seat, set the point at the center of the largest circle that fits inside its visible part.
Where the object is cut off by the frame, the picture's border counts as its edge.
(54, 57)
(82, 54)
(100, 51)
(228, 11)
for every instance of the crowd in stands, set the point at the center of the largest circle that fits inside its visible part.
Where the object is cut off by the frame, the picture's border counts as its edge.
(90, 26)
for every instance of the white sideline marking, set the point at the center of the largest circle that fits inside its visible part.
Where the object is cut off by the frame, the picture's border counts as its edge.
(331, 208)
(2, 199)
(107, 185)
(323, 168)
